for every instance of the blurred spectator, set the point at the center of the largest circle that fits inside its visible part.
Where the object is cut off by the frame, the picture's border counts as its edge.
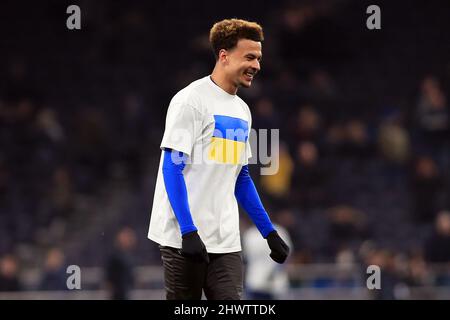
(321, 86)
(345, 260)
(48, 123)
(265, 279)
(286, 90)
(279, 185)
(119, 267)
(357, 143)
(294, 20)
(131, 133)
(309, 178)
(335, 138)
(18, 84)
(437, 246)
(54, 277)
(427, 183)
(390, 279)
(349, 139)
(9, 278)
(90, 148)
(307, 125)
(347, 228)
(301, 23)
(291, 221)
(432, 111)
(418, 274)
(393, 140)
(62, 192)
(264, 116)
(4, 177)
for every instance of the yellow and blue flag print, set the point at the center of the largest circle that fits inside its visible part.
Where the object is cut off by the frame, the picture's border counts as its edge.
(228, 140)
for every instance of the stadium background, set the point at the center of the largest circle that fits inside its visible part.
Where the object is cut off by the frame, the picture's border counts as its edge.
(363, 117)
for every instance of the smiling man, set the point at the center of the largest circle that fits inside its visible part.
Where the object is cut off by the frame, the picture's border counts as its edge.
(204, 170)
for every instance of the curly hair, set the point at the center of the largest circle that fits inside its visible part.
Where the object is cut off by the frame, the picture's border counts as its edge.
(225, 34)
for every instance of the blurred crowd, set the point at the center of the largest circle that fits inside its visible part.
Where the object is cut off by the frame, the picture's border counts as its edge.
(364, 125)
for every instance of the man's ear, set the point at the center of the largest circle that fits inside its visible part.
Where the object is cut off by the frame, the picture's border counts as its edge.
(223, 56)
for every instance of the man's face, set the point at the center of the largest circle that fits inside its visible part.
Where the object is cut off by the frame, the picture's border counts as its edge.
(243, 62)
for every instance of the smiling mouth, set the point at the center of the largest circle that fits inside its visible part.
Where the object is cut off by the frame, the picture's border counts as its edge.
(249, 74)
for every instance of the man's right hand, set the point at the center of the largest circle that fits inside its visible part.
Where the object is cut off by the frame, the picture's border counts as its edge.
(192, 247)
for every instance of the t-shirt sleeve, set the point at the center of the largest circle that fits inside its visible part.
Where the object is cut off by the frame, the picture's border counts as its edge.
(183, 127)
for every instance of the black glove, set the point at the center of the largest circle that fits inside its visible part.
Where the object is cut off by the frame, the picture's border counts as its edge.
(192, 247)
(279, 249)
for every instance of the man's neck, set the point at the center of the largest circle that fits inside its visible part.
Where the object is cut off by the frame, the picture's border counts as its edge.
(218, 77)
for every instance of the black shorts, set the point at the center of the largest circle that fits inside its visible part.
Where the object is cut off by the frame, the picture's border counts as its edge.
(221, 279)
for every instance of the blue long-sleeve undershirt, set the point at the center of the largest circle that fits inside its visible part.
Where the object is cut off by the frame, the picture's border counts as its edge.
(248, 197)
(176, 189)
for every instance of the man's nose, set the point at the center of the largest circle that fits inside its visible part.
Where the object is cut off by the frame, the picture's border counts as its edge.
(256, 65)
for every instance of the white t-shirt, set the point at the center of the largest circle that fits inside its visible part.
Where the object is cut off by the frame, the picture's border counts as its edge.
(212, 127)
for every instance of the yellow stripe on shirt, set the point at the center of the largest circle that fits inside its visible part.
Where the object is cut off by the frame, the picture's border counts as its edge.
(225, 151)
